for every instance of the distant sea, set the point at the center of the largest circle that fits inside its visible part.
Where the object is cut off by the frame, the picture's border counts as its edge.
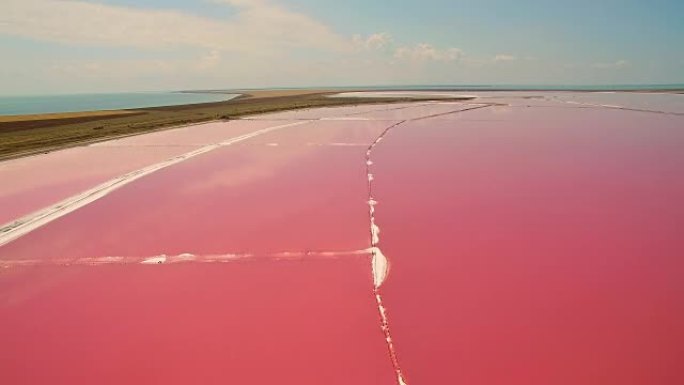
(492, 87)
(518, 87)
(21, 105)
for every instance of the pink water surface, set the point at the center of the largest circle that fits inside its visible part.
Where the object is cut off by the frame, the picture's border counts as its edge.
(330, 112)
(534, 243)
(416, 112)
(198, 134)
(33, 183)
(307, 322)
(247, 198)
(535, 251)
(30, 184)
(650, 101)
(326, 132)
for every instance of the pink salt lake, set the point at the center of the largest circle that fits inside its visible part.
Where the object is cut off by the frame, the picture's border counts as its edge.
(532, 238)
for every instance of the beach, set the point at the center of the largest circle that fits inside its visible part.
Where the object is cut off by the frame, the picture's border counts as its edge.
(22, 135)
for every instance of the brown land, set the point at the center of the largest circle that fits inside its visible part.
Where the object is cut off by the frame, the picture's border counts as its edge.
(258, 94)
(61, 115)
(27, 135)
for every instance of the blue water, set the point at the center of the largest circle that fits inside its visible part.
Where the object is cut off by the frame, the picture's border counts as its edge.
(11, 105)
(497, 87)
(20, 105)
(523, 87)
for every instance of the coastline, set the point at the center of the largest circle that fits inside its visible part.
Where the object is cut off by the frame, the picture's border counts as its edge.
(78, 102)
(26, 135)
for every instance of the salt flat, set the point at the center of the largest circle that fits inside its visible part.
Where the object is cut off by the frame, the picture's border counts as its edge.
(527, 237)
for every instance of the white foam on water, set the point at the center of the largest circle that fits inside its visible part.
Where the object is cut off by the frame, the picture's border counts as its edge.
(337, 144)
(380, 267)
(352, 118)
(154, 260)
(185, 258)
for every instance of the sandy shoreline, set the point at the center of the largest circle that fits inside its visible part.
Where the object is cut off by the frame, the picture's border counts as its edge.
(32, 134)
(24, 135)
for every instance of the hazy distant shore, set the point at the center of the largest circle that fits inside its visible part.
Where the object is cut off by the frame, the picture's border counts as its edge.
(76, 103)
(23, 135)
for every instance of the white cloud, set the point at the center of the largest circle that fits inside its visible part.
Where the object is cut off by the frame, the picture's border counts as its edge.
(426, 52)
(258, 26)
(209, 61)
(504, 58)
(260, 43)
(114, 69)
(276, 23)
(374, 42)
(615, 65)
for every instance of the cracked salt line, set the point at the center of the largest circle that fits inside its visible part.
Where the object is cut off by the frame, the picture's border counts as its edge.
(26, 224)
(380, 267)
(347, 116)
(475, 107)
(616, 107)
(337, 144)
(154, 260)
(351, 118)
(379, 263)
(186, 258)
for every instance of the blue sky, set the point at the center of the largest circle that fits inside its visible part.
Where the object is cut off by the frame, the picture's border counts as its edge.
(64, 46)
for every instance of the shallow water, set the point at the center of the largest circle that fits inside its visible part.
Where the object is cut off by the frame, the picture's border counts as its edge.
(533, 241)
(534, 246)
(24, 105)
(258, 322)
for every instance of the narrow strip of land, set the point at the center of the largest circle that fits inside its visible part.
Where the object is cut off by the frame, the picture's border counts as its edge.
(28, 135)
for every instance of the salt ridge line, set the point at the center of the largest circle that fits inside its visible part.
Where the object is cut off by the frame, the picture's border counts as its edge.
(616, 107)
(393, 108)
(475, 107)
(186, 258)
(350, 116)
(379, 263)
(432, 103)
(26, 224)
(353, 117)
